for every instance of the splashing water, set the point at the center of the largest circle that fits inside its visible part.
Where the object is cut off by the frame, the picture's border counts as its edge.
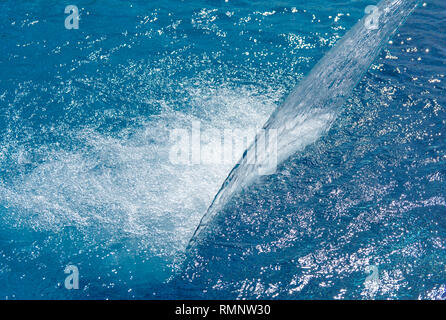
(84, 187)
(311, 108)
(262, 240)
(86, 179)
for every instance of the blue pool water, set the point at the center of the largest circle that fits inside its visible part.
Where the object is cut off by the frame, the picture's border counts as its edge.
(86, 180)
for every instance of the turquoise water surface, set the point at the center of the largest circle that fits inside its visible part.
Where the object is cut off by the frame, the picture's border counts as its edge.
(86, 179)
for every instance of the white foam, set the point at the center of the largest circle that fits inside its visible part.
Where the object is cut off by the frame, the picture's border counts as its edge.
(124, 185)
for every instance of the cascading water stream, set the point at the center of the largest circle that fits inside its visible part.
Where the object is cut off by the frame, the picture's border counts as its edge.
(311, 108)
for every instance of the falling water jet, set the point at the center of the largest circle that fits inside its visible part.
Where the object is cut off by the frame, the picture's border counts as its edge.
(310, 109)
